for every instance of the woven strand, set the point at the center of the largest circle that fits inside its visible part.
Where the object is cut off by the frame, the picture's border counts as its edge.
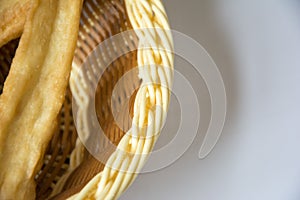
(155, 59)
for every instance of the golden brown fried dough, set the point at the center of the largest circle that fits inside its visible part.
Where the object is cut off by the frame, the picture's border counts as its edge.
(34, 92)
(13, 15)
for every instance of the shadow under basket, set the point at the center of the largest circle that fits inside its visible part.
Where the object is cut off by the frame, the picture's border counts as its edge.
(100, 20)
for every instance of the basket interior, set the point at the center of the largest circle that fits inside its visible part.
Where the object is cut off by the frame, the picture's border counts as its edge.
(100, 19)
(7, 52)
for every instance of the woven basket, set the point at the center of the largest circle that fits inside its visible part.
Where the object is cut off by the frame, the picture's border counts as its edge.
(130, 116)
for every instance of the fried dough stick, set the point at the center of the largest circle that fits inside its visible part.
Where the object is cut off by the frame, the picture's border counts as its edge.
(12, 19)
(34, 92)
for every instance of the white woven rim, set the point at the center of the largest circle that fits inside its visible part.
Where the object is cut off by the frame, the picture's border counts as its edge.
(154, 53)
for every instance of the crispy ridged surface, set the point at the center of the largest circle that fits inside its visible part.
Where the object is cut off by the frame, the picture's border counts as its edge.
(34, 92)
(13, 15)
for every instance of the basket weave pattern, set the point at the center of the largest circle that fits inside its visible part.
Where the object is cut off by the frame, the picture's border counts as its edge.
(69, 169)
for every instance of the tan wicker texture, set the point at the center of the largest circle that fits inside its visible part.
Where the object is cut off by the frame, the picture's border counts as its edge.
(69, 170)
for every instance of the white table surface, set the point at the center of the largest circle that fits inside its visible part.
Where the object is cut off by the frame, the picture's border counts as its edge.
(256, 45)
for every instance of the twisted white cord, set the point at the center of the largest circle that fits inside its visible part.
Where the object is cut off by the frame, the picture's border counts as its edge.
(155, 61)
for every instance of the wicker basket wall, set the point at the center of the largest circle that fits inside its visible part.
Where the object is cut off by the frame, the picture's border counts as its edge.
(69, 169)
